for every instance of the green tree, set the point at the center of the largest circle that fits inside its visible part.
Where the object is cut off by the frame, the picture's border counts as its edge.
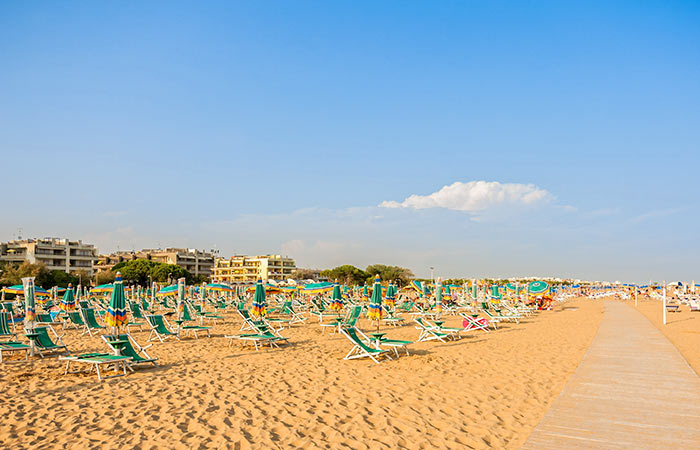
(400, 275)
(346, 274)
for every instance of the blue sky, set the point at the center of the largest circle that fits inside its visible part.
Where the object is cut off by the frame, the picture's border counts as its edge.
(263, 127)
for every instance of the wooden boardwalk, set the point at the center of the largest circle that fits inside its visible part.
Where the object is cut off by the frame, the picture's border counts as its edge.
(632, 390)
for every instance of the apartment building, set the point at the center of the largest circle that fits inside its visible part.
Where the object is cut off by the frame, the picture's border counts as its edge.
(197, 262)
(55, 253)
(248, 269)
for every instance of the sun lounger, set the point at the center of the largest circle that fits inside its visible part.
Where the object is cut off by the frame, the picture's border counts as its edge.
(360, 349)
(90, 320)
(159, 328)
(76, 321)
(13, 347)
(125, 345)
(95, 361)
(393, 344)
(262, 334)
(42, 342)
(391, 319)
(429, 332)
(474, 322)
(349, 321)
(5, 327)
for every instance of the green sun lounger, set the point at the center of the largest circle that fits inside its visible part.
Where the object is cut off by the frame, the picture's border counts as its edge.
(95, 361)
(90, 320)
(125, 345)
(13, 347)
(43, 343)
(159, 329)
(360, 349)
(5, 328)
(429, 332)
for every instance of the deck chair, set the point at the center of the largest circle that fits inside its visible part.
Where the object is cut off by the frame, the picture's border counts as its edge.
(159, 328)
(187, 317)
(43, 343)
(474, 323)
(247, 319)
(90, 320)
(319, 310)
(129, 348)
(5, 328)
(13, 347)
(76, 321)
(393, 344)
(288, 310)
(349, 321)
(360, 349)
(390, 318)
(204, 315)
(429, 332)
(262, 334)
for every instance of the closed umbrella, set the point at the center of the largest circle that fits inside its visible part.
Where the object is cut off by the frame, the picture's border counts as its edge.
(116, 311)
(180, 298)
(337, 298)
(259, 307)
(391, 295)
(374, 311)
(29, 306)
(438, 296)
(68, 300)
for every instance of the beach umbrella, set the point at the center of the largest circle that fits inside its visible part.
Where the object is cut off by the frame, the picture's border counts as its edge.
(259, 307)
(29, 307)
(203, 294)
(425, 293)
(438, 296)
(337, 298)
(218, 287)
(116, 311)
(374, 312)
(391, 295)
(537, 287)
(365, 295)
(180, 298)
(447, 290)
(68, 300)
(103, 288)
(169, 290)
(19, 289)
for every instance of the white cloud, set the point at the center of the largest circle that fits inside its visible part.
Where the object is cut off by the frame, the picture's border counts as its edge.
(475, 196)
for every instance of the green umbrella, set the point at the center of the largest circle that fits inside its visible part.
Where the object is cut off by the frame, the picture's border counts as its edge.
(438, 296)
(365, 295)
(203, 294)
(68, 300)
(375, 303)
(447, 290)
(180, 298)
(337, 298)
(537, 287)
(29, 307)
(116, 311)
(259, 307)
(391, 294)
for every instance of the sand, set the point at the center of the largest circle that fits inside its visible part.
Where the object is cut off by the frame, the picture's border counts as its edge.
(485, 390)
(682, 328)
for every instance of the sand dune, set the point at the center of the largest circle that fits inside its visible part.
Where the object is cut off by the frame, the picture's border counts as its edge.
(486, 390)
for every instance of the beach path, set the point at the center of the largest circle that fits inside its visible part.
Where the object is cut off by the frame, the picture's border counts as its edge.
(632, 389)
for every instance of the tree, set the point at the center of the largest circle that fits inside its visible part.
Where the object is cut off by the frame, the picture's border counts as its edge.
(302, 274)
(400, 275)
(104, 277)
(346, 274)
(136, 271)
(13, 273)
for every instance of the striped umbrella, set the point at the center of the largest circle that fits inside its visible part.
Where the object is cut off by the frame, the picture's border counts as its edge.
(180, 298)
(259, 307)
(438, 296)
(203, 294)
(29, 307)
(375, 303)
(116, 311)
(169, 290)
(337, 298)
(391, 295)
(365, 295)
(68, 300)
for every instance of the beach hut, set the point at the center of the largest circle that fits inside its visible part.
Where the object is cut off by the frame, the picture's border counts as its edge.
(116, 311)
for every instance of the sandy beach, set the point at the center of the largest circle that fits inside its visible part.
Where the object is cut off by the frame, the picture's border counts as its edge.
(682, 328)
(485, 390)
